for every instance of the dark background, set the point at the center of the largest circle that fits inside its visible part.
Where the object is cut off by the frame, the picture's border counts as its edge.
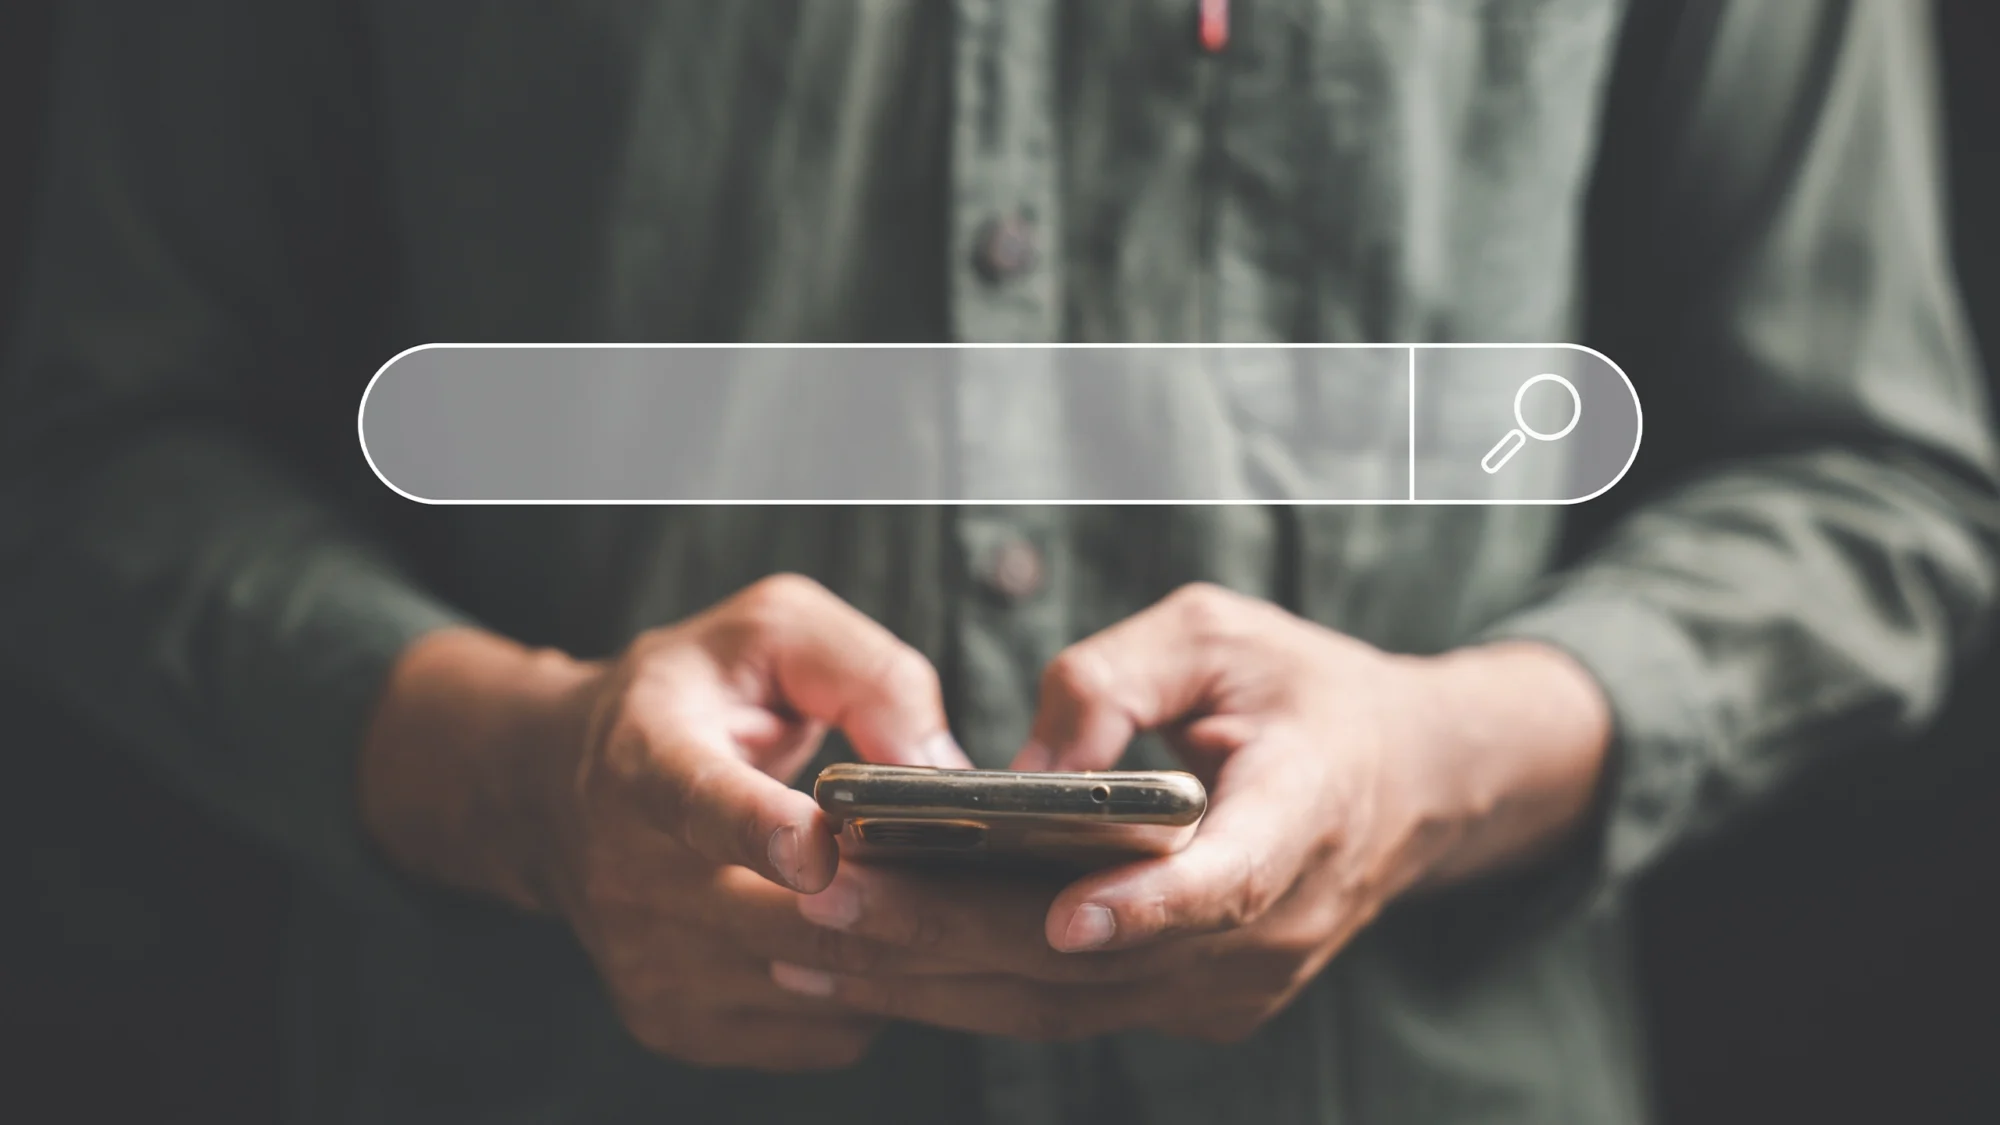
(1832, 964)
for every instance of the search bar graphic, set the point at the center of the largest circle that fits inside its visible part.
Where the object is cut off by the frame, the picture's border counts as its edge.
(1003, 424)
(1497, 457)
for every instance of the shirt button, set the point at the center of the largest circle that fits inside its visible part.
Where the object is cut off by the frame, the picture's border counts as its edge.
(1004, 248)
(1015, 570)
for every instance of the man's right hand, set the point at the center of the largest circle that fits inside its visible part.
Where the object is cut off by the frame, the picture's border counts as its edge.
(646, 801)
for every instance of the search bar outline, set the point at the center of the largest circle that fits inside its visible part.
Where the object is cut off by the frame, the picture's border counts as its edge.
(1410, 498)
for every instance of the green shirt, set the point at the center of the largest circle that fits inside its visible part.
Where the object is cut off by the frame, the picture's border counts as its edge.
(251, 204)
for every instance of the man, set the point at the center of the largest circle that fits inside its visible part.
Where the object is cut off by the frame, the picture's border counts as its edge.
(531, 763)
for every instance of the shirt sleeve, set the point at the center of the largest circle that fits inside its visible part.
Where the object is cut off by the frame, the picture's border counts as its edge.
(1813, 548)
(197, 283)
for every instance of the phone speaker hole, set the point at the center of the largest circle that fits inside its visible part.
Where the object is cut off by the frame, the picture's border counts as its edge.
(1100, 793)
(925, 835)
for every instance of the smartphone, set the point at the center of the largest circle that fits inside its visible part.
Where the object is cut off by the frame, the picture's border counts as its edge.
(1076, 821)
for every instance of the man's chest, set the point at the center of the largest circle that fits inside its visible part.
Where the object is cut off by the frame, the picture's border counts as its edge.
(987, 170)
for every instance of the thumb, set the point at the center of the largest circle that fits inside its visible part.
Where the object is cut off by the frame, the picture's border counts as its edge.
(831, 663)
(1146, 671)
(1249, 852)
(729, 812)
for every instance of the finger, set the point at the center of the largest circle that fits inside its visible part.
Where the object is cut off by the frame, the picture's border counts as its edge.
(793, 745)
(976, 924)
(919, 924)
(766, 922)
(1247, 855)
(730, 981)
(703, 793)
(987, 1005)
(829, 661)
(1148, 670)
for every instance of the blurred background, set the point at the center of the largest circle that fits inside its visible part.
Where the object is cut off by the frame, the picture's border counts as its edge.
(1837, 963)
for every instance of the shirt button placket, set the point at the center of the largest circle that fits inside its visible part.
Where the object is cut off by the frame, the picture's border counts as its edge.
(1015, 570)
(1005, 248)
(1006, 288)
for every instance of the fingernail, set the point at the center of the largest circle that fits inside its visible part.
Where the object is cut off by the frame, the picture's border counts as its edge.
(942, 751)
(798, 978)
(785, 858)
(1034, 758)
(838, 907)
(1091, 926)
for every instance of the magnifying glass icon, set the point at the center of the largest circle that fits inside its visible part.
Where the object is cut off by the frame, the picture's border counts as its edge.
(1503, 452)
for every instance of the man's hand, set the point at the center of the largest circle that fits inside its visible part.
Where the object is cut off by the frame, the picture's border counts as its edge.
(645, 801)
(1339, 777)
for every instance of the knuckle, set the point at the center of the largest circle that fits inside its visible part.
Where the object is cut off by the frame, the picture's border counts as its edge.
(1158, 914)
(655, 642)
(1251, 893)
(1079, 673)
(784, 590)
(643, 649)
(1239, 907)
(765, 606)
(1205, 609)
(906, 675)
(626, 747)
(628, 775)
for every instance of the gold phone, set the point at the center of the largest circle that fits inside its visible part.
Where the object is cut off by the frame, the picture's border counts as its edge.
(1071, 820)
